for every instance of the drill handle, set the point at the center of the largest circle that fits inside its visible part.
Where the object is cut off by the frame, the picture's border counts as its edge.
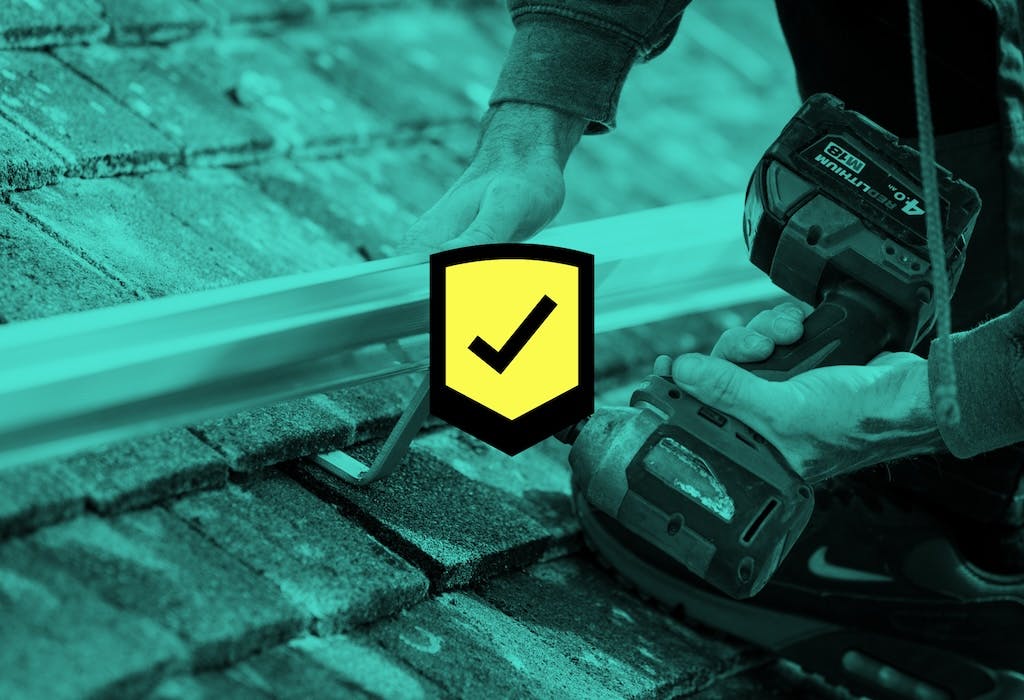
(849, 327)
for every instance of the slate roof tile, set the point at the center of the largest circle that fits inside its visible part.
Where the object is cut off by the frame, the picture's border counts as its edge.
(255, 232)
(116, 225)
(617, 639)
(147, 470)
(33, 495)
(457, 530)
(369, 198)
(126, 475)
(153, 21)
(86, 127)
(269, 435)
(36, 273)
(152, 564)
(336, 197)
(25, 163)
(278, 91)
(416, 85)
(363, 665)
(322, 563)
(335, 666)
(498, 656)
(159, 85)
(536, 480)
(261, 10)
(171, 233)
(34, 24)
(63, 640)
(374, 407)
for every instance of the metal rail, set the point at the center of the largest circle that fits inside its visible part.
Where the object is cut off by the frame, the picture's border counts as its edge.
(77, 381)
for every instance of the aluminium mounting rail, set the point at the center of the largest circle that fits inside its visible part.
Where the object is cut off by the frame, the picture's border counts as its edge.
(81, 380)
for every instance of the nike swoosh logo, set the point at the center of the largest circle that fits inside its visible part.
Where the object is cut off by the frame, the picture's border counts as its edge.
(820, 567)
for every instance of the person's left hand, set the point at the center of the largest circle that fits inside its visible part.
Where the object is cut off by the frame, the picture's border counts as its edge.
(826, 421)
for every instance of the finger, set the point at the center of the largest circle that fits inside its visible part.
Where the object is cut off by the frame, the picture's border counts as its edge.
(797, 308)
(743, 345)
(719, 383)
(662, 366)
(506, 213)
(783, 324)
(442, 222)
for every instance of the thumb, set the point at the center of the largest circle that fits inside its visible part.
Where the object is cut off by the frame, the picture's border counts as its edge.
(717, 382)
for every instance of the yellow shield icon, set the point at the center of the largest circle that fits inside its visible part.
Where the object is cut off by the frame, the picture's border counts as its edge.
(512, 340)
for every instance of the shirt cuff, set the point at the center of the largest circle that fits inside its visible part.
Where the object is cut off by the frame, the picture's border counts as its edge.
(989, 375)
(566, 65)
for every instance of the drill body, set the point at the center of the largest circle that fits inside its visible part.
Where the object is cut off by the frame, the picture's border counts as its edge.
(833, 215)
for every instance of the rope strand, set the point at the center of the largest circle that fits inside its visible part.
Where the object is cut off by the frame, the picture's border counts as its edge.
(947, 408)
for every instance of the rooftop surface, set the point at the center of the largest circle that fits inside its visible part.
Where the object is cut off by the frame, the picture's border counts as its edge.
(152, 148)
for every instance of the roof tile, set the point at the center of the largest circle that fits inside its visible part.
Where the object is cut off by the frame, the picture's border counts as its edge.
(264, 436)
(62, 640)
(146, 470)
(86, 127)
(150, 563)
(336, 666)
(40, 277)
(258, 235)
(364, 666)
(125, 475)
(455, 529)
(33, 495)
(497, 655)
(620, 641)
(321, 562)
(260, 10)
(338, 198)
(153, 21)
(34, 24)
(169, 233)
(159, 85)
(429, 65)
(25, 163)
(373, 407)
(536, 480)
(278, 91)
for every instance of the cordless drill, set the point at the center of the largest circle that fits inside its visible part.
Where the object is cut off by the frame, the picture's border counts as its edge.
(833, 214)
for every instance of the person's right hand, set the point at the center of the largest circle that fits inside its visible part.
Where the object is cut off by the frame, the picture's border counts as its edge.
(513, 187)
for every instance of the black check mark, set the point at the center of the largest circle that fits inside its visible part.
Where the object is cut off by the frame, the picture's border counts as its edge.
(499, 360)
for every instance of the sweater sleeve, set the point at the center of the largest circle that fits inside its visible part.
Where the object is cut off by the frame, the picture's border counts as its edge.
(989, 365)
(574, 55)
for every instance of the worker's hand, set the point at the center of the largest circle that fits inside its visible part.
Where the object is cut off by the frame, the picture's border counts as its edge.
(826, 421)
(512, 188)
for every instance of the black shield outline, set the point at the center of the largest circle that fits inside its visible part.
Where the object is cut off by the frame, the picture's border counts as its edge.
(460, 411)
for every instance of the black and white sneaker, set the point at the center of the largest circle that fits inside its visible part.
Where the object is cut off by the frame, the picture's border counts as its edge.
(873, 597)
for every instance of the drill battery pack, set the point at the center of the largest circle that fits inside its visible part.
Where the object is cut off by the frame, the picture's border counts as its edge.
(836, 195)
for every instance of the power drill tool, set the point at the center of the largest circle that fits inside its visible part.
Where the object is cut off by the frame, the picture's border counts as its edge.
(833, 215)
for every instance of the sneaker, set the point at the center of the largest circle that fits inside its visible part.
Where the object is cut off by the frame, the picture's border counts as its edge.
(874, 597)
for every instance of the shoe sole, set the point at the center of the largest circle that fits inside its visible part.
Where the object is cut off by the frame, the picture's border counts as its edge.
(863, 663)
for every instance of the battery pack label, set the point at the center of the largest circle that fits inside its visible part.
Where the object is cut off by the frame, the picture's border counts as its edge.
(846, 163)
